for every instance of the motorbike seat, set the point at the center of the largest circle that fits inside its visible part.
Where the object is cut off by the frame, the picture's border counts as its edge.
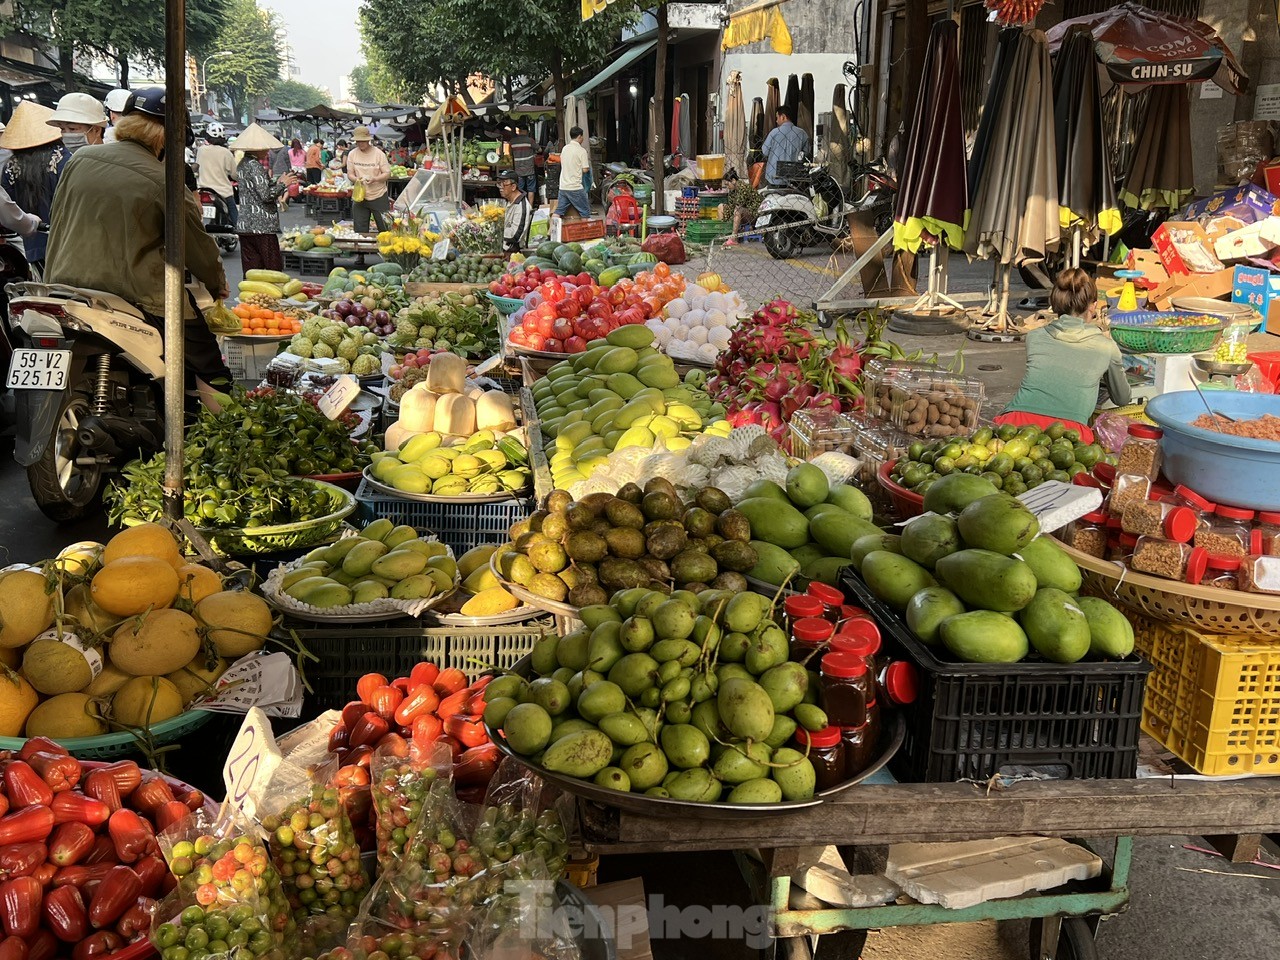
(101, 298)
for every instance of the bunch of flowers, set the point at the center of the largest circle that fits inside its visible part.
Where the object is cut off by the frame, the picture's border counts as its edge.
(406, 242)
(480, 231)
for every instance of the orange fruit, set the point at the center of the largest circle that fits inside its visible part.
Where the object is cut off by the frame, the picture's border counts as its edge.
(144, 540)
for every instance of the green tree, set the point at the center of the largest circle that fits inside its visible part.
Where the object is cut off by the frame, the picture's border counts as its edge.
(361, 84)
(253, 68)
(294, 95)
(120, 32)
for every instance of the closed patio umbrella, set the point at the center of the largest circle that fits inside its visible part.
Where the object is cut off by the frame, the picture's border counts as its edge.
(1161, 177)
(687, 146)
(804, 112)
(755, 130)
(1086, 186)
(792, 98)
(771, 100)
(676, 144)
(839, 148)
(735, 126)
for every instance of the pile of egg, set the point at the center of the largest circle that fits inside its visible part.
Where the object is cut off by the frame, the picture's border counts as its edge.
(697, 326)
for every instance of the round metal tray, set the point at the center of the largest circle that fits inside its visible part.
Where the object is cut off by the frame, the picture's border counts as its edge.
(432, 498)
(518, 615)
(1206, 363)
(339, 618)
(559, 608)
(540, 354)
(637, 803)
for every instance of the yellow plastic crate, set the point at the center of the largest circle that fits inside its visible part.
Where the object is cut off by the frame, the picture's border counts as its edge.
(1214, 701)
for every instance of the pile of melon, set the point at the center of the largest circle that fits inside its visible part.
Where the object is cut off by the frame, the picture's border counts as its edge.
(126, 635)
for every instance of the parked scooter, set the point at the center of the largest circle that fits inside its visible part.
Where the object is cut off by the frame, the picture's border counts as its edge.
(812, 209)
(87, 372)
(217, 221)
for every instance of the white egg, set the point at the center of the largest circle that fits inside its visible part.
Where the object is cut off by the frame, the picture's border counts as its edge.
(698, 334)
(677, 307)
(719, 337)
(694, 317)
(715, 318)
(715, 301)
(708, 351)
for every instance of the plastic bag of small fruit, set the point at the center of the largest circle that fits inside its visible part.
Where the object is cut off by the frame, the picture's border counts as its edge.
(523, 921)
(411, 786)
(229, 899)
(521, 815)
(373, 939)
(315, 851)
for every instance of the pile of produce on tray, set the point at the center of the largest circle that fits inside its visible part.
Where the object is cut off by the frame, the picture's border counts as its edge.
(444, 401)
(347, 333)
(1013, 459)
(482, 593)
(473, 268)
(381, 561)
(379, 287)
(304, 240)
(775, 365)
(484, 462)
(460, 323)
(974, 577)
(114, 637)
(269, 287)
(604, 261)
(262, 322)
(691, 697)
(582, 551)
(699, 324)
(83, 867)
(619, 393)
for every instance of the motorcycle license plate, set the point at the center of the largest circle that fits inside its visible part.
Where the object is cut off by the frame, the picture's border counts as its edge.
(209, 212)
(39, 369)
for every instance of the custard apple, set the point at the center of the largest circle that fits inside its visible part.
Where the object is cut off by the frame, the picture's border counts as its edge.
(332, 334)
(301, 346)
(343, 365)
(347, 350)
(311, 328)
(407, 327)
(423, 342)
(365, 366)
(322, 351)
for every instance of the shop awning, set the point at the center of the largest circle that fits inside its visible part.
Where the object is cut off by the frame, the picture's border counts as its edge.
(625, 60)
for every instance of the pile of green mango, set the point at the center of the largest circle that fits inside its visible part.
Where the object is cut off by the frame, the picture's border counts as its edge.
(974, 575)
(681, 695)
(804, 528)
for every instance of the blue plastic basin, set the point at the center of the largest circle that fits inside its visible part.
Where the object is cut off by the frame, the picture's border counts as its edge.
(1239, 471)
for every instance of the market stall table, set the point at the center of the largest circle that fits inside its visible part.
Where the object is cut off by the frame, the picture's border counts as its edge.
(360, 246)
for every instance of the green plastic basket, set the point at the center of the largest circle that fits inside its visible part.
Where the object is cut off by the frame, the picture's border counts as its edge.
(1146, 331)
(123, 743)
(244, 541)
(506, 305)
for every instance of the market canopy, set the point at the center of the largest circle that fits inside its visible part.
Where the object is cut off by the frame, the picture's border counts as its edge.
(1142, 46)
(322, 112)
(625, 60)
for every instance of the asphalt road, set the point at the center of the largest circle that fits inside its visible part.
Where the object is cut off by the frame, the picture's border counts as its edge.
(1184, 904)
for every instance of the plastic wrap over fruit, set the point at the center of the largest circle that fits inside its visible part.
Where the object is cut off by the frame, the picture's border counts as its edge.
(839, 467)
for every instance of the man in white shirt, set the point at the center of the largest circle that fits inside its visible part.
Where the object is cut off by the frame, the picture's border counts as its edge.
(574, 163)
(217, 166)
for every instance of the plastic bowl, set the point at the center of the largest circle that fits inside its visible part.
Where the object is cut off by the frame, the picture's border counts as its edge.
(506, 305)
(1239, 471)
(906, 503)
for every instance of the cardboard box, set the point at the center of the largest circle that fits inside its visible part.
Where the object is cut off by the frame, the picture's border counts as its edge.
(1216, 286)
(1248, 203)
(1149, 264)
(1259, 288)
(1184, 247)
(1255, 240)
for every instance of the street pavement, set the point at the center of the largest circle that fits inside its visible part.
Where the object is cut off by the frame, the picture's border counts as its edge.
(1184, 904)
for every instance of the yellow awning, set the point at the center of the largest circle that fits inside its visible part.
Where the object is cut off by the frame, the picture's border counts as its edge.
(752, 25)
(591, 7)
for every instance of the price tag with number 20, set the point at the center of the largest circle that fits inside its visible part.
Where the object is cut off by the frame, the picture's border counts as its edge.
(251, 761)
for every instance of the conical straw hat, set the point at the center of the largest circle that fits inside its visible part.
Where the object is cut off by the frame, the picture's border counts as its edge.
(253, 139)
(28, 127)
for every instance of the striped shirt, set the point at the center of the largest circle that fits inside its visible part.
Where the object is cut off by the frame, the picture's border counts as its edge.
(785, 142)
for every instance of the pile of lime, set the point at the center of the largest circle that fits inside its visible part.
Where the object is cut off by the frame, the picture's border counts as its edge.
(1014, 459)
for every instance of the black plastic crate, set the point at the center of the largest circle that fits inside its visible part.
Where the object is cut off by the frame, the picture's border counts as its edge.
(308, 264)
(392, 649)
(460, 525)
(972, 721)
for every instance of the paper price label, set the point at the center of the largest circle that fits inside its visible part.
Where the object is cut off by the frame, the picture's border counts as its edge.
(440, 251)
(250, 762)
(1056, 504)
(91, 656)
(340, 396)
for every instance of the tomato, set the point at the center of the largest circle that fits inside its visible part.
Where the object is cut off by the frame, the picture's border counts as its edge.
(575, 344)
(537, 342)
(562, 329)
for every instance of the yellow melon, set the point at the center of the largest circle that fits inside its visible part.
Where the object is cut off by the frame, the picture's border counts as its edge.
(144, 540)
(197, 677)
(197, 582)
(157, 643)
(78, 607)
(11, 657)
(59, 665)
(17, 699)
(146, 701)
(238, 622)
(129, 585)
(66, 715)
(26, 608)
(79, 559)
(111, 679)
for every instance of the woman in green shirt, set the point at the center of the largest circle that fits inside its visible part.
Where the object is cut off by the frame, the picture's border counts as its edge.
(1066, 361)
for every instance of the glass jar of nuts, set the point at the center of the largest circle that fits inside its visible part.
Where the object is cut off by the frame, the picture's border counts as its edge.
(1154, 518)
(1141, 452)
(1128, 488)
(1260, 574)
(1089, 534)
(1222, 572)
(1266, 535)
(1165, 558)
(1229, 532)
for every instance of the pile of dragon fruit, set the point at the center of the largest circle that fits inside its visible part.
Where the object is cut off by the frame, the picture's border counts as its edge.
(776, 365)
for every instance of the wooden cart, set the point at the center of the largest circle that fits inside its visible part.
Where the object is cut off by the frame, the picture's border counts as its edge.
(871, 816)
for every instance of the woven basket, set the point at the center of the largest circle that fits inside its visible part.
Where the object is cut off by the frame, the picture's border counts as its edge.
(1145, 331)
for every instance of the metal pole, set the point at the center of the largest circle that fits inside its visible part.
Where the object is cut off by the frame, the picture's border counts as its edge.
(175, 201)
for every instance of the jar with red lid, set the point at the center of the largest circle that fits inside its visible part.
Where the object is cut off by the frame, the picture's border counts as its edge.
(848, 611)
(1121, 549)
(848, 689)
(809, 637)
(899, 682)
(1088, 534)
(1105, 474)
(826, 753)
(1140, 455)
(1128, 488)
(1153, 518)
(1265, 540)
(1083, 479)
(863, 646)
(858, 630)
(799, 606)
(859, 745)
(1184, 496)
(1229, 532)
(832, 598)
(1260, 574)
(1222, 572)
(1173, 561)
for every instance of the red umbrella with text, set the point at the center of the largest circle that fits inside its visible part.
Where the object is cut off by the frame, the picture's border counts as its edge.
(933, 191)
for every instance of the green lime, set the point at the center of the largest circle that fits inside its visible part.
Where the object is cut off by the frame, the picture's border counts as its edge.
(1001, 464)
(994, 445)
(995, 478)
(1013, 486)
(1077, 467)
(982, 435)
(928, 457)
(1038, 452)
(1060, 475)
(1061, 458)
(1072, 435)
(952, 450)
(1022, 463)
(1007, 431)
(1055, 431)
(944, 465)
(915, 451)
(964, 461)
(1017, 447)
(1031, 473)
(1089, 454)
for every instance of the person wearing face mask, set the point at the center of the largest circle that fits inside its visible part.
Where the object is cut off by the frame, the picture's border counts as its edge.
(112, 199)
(114, 103)
(31, 174)
(81, 119)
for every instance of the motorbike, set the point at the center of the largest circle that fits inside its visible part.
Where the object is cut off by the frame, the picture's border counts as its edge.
(810, 210)
(217, 221)
(881, 193)
(13, 267)
(87, 374)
